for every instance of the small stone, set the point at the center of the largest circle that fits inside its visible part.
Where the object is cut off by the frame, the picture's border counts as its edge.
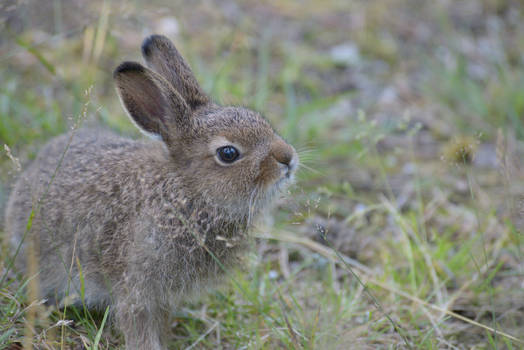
(347, 53)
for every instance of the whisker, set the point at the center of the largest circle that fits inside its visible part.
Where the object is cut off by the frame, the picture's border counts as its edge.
(314, 171)
(251, 205)
(308, 155)
(305, 149)
(312, 161)
(305, 145)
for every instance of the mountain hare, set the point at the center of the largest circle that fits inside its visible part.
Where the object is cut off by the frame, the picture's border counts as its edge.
(145, 223)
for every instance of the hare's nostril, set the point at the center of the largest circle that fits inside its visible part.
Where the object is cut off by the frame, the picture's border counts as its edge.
(284, 158)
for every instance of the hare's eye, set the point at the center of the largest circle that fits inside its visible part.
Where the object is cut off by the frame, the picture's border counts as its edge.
(228, 154)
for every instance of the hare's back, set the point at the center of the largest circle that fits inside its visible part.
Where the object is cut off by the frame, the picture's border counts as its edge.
(73, 176)
(75, 158)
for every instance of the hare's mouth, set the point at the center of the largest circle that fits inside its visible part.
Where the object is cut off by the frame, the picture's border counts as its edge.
(287, 177)
(288, 173)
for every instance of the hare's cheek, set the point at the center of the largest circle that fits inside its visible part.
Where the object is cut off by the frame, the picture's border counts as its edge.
(269, 172)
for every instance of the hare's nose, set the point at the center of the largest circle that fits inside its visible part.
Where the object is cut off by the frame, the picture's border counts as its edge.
(285, 155)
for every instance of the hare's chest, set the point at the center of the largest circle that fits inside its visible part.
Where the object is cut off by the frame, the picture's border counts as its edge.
(190, 243)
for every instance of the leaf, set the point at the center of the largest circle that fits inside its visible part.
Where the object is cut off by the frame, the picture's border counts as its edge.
(99, 333)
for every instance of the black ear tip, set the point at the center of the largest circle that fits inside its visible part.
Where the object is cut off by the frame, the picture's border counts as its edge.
(153, 41)
(126, 67)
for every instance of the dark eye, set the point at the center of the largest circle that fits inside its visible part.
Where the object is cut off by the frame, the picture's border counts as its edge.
(228, 154)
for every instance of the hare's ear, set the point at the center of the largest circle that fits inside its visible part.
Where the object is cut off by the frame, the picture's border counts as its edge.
(163, 57)
(151, 102)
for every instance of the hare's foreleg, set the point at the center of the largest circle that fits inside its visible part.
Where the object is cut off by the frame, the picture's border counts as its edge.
(143, 320)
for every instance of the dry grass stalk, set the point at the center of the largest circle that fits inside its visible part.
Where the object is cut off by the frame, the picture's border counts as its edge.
(366, 275)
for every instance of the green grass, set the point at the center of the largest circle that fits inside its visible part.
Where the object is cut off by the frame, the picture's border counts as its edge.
(496, 100)
(432, 238)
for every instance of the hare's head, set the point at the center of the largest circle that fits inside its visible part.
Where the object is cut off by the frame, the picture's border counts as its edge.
(228, 156)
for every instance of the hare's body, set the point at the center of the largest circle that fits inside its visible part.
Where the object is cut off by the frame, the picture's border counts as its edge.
(121, 204)
(142, 223)
(120, 210)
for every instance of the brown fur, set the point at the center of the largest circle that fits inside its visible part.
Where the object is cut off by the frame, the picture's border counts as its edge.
(144, 218)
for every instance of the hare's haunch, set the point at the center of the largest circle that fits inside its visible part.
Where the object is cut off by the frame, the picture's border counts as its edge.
(147, 221)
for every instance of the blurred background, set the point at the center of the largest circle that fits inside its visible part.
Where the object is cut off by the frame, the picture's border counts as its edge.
(404, 227)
